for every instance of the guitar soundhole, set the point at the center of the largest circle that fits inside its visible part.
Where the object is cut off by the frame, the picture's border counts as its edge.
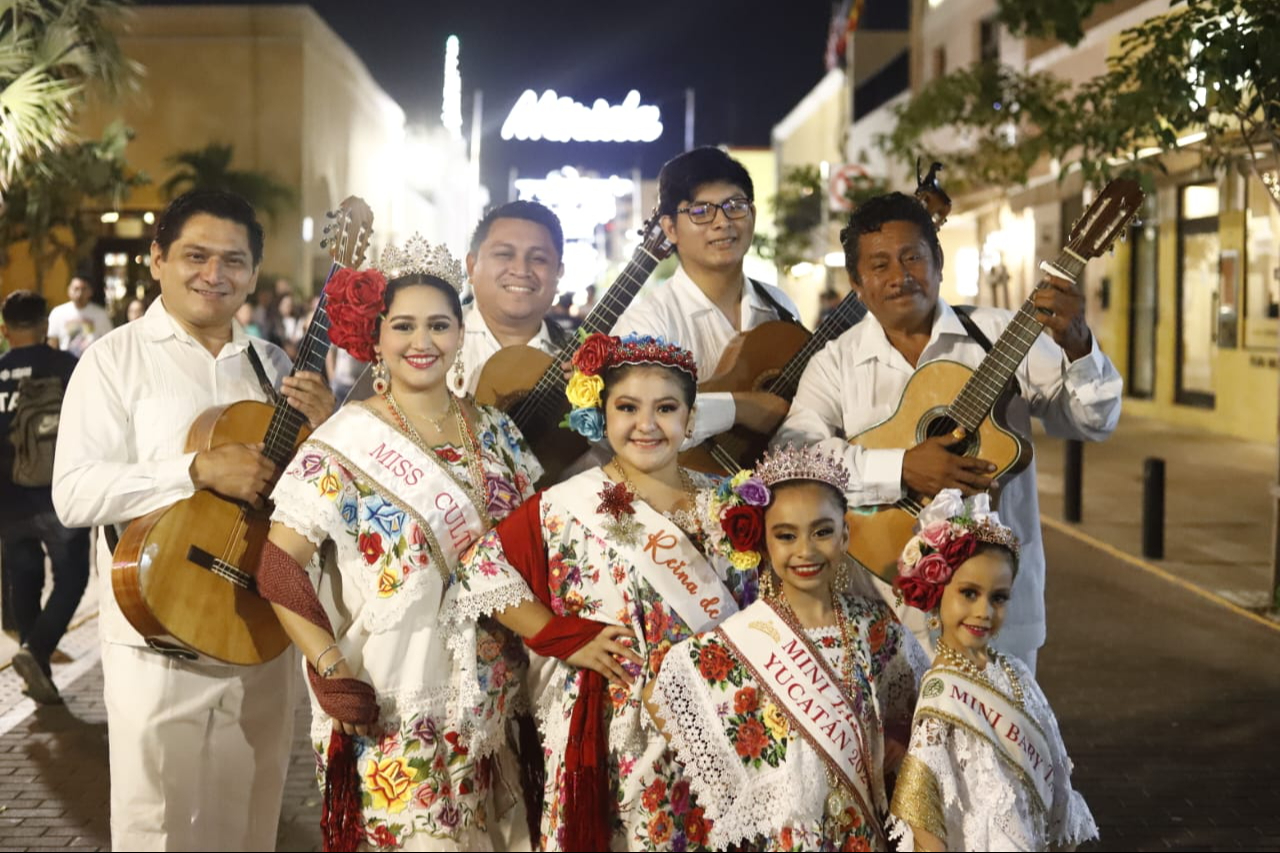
(936, 422)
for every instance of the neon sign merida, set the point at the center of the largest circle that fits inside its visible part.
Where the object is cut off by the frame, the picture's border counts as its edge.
(558, 119)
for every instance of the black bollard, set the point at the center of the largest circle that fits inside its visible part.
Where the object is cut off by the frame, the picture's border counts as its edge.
(1153, 508)
(1073, 480)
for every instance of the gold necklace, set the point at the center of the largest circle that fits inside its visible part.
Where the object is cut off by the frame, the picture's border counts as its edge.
(845, 640)
(474, 488)
(959, 661)
(685, 519)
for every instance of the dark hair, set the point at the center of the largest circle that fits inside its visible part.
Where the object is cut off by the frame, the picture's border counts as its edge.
(530, 211)
(613, 375)
(683, 174)
(836, 494)
(398, 284)
(223, 205)
(24, 309)
(872, 215)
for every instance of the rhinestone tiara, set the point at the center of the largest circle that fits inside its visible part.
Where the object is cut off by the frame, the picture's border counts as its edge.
(418, 257)
(802, 463)
(995, 533)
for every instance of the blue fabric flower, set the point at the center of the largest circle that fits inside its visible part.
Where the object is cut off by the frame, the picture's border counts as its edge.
(386, 517)
(350, 512)
(588, 423)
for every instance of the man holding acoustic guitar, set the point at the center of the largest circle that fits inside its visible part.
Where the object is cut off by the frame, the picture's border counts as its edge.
(706, 203)
(860, 381)
(199, 749)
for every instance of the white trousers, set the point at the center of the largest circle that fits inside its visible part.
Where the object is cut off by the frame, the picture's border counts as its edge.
(199, 751)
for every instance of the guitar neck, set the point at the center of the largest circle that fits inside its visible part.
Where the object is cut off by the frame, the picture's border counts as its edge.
(286, 421)
(978, 398)
(543, 400)
(846, 315)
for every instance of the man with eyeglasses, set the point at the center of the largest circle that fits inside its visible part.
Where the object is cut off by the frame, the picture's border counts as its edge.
(705, 199)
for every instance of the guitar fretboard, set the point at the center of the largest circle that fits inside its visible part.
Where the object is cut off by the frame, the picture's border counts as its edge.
(978, 397)
(846, 315)
(286, 421)
(541, 408)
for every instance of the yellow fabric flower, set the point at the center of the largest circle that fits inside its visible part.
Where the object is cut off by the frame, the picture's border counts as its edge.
(329, 485)
(388, 783)
(776, 721)
(583, 391)
(743, 560)
(388, 583)
(741, 477)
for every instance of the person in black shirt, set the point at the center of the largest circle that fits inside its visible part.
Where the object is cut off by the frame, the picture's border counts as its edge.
(28, 525)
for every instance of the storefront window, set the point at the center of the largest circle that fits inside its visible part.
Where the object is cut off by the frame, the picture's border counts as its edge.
(1262, 266)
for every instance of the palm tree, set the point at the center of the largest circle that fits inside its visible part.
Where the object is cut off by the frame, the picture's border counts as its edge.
(209, 168)
(50, 51)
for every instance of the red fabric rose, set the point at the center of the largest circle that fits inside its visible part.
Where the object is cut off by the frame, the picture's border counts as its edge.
(934, 568)
(918, 592)
(745, 701)
(654, 795)
(381, 838)
(714, 663)
(744, 525)
(959, 549)
(594, 353)
(370, 544)
(751, 739)
(353, 301)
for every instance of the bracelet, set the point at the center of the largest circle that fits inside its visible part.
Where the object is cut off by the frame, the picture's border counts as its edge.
(332, 668)
(320, 656)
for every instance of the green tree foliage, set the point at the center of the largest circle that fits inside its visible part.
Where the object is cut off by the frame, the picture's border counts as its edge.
(50, 52)
(44, 202)
(1053, 19)
(798, 212)
(209, 168)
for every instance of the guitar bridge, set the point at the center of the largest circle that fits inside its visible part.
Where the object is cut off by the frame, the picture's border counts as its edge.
(220, 567)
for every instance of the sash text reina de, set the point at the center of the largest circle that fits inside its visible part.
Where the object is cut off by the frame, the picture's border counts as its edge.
(1011, 733)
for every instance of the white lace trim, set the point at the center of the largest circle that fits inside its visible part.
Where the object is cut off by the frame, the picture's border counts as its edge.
(462, 608)
(742, 802)
(304, 526)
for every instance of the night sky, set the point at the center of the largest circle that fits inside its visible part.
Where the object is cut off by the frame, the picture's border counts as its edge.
(749, 61)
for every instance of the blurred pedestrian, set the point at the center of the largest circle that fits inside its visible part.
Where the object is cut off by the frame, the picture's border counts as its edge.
(33, 377)
(562, 316)
(135, 310)
(78, 322)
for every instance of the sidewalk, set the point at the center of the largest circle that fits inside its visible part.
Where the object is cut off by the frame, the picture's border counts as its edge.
(1217, 502)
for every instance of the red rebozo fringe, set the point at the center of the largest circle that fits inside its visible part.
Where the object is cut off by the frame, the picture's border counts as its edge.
(282, 581)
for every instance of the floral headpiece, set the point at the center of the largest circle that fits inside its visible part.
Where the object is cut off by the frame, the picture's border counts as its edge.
(735, 509)
(951, 527)
(354, 299)
(599, 352)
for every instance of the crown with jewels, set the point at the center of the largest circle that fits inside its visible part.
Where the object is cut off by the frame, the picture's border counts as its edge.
(419, 257)
(645, 349)
(802, 463)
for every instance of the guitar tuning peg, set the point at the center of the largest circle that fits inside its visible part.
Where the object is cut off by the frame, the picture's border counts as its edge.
(331, 214)
(327, 228)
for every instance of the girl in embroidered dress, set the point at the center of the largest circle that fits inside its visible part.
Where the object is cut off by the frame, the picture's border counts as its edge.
(601, 574)
(394, 489)
(788, 715)
(986, 769)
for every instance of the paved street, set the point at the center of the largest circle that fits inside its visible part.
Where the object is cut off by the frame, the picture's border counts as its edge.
(1166, 702)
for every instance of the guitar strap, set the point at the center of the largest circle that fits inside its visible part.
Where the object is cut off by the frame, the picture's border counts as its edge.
(783, 313)
(261, 373)
(962, 314)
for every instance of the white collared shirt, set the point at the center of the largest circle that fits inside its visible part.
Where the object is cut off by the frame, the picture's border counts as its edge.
(480, 344)
(680, 312)
(857, 380)
(125, 416)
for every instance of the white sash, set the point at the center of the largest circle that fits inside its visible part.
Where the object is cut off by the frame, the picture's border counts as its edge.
(663, 555)
(419, 482)
(956, 698)
(798, 679)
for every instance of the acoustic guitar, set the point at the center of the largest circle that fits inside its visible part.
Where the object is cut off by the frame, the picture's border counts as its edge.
(184, 575)
(945, 397)
(772, 357)
(529, 385)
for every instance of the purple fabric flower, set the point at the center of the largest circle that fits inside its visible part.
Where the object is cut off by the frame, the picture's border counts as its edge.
(450, 816)
(680, 797)
(311, 464)
(754, 492)
(424, 729)
(501, 496)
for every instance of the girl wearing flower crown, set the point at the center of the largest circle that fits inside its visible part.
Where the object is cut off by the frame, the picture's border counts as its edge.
(787, 716)
(987, 769)
(601, 574)
(399, 485)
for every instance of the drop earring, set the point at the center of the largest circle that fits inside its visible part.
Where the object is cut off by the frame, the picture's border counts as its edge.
(381, 377)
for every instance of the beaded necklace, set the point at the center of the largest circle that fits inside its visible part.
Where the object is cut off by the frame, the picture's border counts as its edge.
(962, 663)
(474, 488)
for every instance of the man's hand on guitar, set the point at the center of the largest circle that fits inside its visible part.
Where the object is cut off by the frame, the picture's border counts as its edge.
(309, 393)
(759, 411)
(930, 467)
(1061, 309)
(236, 471)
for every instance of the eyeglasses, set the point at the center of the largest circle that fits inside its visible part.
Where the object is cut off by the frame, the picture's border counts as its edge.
(704, 212)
